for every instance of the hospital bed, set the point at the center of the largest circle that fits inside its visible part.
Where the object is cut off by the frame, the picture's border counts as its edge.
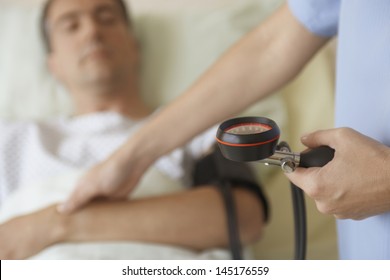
(180, 39)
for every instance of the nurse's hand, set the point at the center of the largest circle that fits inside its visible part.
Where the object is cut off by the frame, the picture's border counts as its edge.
(356, 183)
(114, 178)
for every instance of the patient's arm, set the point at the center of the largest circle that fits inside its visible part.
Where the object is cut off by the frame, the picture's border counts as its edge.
(195, 219)
(27, 235)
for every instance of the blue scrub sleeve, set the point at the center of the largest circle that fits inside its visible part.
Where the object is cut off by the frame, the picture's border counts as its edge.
(320, 17)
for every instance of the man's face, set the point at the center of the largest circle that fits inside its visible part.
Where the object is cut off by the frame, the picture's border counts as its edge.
(90, 42)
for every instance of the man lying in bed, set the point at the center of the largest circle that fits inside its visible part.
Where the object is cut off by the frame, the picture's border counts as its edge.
(92, 52)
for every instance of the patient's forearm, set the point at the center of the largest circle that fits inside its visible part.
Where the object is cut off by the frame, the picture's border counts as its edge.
(194, 219)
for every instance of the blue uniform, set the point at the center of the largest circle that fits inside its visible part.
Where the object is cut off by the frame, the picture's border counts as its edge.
(362, 94)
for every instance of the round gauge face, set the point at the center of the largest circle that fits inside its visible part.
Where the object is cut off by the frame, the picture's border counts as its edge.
(248, 128)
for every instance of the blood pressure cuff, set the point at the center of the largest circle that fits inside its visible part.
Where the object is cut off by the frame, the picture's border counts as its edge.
(214, 169)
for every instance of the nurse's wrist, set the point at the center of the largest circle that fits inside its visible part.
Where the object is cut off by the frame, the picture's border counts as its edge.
(140, 150)
(387, 170)
(383, 181)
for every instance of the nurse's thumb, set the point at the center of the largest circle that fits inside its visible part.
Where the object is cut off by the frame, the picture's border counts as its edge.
(317, 138)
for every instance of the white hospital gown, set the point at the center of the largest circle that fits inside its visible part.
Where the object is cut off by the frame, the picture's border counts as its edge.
(41, 161)
(34, 151)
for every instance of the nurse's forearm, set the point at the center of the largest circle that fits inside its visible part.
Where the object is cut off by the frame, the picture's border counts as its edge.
(194, 219)
(263, 61)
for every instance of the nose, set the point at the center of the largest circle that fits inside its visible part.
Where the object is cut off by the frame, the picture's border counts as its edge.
(91, 29)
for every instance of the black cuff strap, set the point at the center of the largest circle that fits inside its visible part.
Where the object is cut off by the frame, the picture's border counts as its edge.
(214, 169)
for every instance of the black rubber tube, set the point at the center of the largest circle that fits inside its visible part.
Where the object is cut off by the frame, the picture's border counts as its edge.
(299, 212)
(232, 221)
(300, 227)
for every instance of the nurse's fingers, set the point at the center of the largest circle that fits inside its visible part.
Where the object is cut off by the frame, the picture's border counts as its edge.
(82, 194)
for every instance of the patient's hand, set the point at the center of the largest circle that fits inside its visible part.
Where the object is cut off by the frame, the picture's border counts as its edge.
(27, 235)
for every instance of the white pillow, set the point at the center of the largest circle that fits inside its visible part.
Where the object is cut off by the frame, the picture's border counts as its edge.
(26, 88)
(179, 40)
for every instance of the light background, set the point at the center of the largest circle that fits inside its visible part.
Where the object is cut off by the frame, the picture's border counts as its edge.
(179, 40)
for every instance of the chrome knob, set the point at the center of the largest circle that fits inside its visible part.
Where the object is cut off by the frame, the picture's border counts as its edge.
(288, 165)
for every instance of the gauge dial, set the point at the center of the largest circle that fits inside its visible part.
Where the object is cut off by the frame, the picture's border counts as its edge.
(248, 128)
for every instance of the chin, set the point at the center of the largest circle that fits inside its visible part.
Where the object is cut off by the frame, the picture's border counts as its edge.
(100, 74)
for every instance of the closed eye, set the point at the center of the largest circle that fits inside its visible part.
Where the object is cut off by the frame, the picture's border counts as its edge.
(67, 23)
(107, 15)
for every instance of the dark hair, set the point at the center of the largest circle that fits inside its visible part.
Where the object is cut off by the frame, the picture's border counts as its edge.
(45, 13)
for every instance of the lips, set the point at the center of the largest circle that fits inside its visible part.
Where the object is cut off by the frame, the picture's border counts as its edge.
(94, 50)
